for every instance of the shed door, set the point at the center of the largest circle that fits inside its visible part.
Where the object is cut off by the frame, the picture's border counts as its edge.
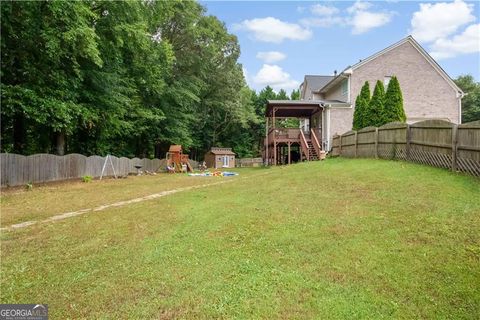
(226, 161)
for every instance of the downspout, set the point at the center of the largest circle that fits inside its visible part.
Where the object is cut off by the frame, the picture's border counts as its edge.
(327, 127)
(460, 96)
(349, 89)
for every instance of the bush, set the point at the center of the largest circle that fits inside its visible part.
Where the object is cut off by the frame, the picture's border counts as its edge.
(376, 108)
(361, 106)
(87, 178)
(393, 110)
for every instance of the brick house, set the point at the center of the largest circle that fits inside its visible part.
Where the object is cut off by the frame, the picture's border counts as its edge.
(428, 91)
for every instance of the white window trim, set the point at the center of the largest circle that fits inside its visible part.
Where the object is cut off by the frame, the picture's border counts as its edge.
(346, 92)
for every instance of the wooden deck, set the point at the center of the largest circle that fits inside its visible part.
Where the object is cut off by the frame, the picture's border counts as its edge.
(281, 142)
(284, 145)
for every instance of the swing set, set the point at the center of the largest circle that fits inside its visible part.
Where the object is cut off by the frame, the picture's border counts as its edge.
(177, 161)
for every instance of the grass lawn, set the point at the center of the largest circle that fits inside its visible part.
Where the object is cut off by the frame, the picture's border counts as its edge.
(338, 239)
(55, 198)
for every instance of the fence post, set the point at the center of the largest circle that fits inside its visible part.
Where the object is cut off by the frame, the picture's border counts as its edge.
(340, 145)
(356, 143)
(376, 143)
(454, 148)
(408, 137)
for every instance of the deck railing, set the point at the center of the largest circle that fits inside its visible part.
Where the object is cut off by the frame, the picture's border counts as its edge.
(292, 134)
(283, 134)
(315, 142)
(304, 145)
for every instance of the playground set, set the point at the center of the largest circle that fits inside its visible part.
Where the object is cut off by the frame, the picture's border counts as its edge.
(177, 161)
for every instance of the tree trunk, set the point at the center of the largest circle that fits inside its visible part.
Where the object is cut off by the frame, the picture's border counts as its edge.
(60, 138)
(158, 151)
(19, 134)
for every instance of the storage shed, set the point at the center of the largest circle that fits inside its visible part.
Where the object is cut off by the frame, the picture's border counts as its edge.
(220, 158)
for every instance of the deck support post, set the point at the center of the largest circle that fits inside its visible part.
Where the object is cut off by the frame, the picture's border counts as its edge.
(273, 118)
(289, 154)
(267, 160)
(274, 153)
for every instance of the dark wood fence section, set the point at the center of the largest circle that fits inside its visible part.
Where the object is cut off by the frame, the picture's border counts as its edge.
(19, 170)
(249, 162)
(433, 142)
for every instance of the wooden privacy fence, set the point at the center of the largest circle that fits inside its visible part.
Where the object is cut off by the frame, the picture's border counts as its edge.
(19, 170)
(249, 162)
(433, 142)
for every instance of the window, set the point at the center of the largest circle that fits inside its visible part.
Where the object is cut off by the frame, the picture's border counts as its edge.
(345, 87)
(386, 80)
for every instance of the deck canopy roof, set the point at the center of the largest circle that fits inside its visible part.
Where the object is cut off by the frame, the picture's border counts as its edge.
(293, 108)
(298, 108)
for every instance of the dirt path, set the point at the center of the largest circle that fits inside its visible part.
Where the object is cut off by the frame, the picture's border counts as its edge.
(66, 215)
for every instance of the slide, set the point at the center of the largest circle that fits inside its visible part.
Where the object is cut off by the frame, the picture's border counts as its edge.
(189, 167)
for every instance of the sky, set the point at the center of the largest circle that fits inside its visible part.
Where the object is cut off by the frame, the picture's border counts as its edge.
(281, 41)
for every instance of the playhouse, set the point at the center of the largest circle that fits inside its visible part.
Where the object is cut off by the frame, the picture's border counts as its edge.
(177, 161)
(220, 158)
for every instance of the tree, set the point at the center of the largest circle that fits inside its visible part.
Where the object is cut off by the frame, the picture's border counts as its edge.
(260, 103)
(295, 95)
(42, 75)
(361, 106)
(282, 95)
(375, 111)
(471, 101)
(126, 78)
(393, 110)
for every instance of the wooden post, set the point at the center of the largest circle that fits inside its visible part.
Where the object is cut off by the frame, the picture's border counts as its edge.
(376, 143)
(340, 146)
(266, 141)
(454, 147)
(273, 118)
(280, 154)
(409, 138)
(289, 155)
(274, 153)
(356, 143)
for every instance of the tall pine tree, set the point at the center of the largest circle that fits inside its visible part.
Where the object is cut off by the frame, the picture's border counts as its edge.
(295, 95)
(375, 111)
(361, 106)
(393, 110)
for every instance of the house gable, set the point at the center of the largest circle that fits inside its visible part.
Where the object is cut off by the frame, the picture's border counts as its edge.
(311, 84)
(420, 50)
(426, 92)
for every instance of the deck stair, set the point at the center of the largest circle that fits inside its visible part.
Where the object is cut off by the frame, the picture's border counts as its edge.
(312, 154)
